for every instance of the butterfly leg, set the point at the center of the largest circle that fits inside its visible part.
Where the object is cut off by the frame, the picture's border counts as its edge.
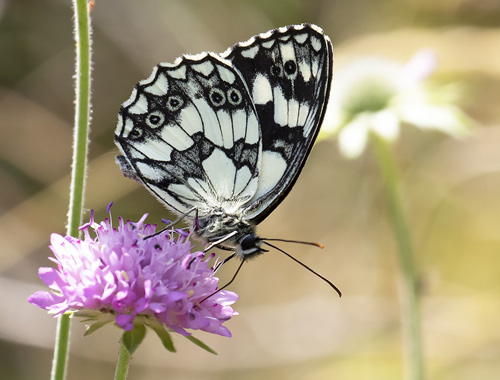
(221, 240)
(230, 281)
(175, 222)
(221, 263)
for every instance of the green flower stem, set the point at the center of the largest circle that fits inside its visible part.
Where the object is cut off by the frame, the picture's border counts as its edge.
(80, 144)
(82, 116)
(123, 363)
(409, 297)
(60, 359)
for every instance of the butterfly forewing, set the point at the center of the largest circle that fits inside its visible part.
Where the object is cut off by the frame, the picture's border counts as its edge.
(288, 72)
(190, 132)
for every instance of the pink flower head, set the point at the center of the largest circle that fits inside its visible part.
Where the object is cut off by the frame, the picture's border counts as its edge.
(119, 272)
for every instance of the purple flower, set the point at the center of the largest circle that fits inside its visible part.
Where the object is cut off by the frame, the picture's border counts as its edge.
(118, 273)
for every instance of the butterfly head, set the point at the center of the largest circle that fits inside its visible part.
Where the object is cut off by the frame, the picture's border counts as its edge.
(249, 246)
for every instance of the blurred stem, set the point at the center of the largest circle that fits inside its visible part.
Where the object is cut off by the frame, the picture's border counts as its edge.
(410, 314)
(123, 363)
(80, 143)
(60, 359)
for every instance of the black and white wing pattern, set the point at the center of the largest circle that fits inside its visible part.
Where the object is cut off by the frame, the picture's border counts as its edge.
(228, 134)
(288, 72)
(191, 134)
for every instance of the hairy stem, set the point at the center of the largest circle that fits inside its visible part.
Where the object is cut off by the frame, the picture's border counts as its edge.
(80, 144)
(123, 363)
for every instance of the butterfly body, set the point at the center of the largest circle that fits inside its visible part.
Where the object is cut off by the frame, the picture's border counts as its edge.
(226, 135)
(234, 232)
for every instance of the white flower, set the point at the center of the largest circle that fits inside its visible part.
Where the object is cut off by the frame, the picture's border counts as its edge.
(375, 95)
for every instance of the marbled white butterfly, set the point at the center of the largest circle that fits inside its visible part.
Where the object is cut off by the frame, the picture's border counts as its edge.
(222, 138)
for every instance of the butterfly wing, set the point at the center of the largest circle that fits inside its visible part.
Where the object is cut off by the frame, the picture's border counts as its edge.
(288, 72)
(190, 134)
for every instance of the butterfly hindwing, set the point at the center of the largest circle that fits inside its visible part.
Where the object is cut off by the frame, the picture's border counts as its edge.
(288, 73)
(190, 132)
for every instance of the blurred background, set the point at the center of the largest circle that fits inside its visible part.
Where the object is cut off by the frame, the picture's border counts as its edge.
(291, 324)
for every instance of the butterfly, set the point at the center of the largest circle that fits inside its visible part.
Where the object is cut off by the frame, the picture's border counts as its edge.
(220, 139)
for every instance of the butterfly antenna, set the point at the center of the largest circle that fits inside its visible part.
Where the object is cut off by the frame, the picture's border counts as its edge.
(296, 242)
(230, 281)
(301, 263)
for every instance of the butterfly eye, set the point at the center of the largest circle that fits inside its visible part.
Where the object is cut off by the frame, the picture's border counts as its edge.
(135, 133)
(276, 70)
(290, 68)
(217, 97)
(249, 242)
(174, 103)
(234, 96)
(155, 119)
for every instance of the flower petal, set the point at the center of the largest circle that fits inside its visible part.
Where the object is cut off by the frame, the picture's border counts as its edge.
(422, 64)
(386, 124)
(353, 137)
(125, 321)
(446, 119)
(51, 277)
(44, 299)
